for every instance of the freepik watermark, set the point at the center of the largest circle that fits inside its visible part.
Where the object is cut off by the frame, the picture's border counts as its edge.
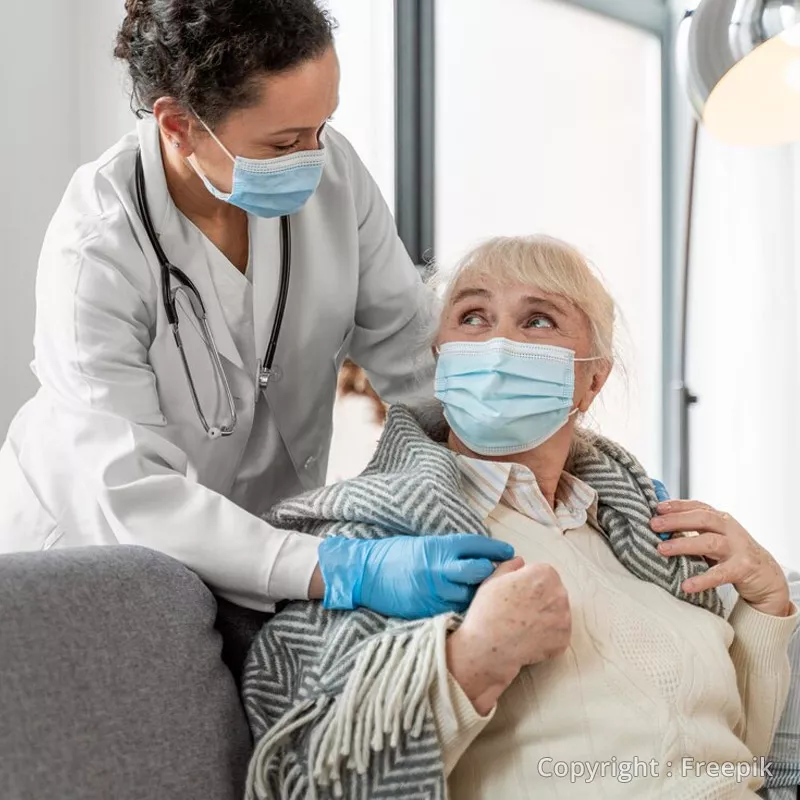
(740, 770)
(589, 771)
(625, 771)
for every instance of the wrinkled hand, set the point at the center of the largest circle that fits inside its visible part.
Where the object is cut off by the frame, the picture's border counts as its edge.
(408, 576)
(520, 616)
(735, 556)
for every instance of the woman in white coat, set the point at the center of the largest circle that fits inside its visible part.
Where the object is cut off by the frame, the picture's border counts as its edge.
(266, 219)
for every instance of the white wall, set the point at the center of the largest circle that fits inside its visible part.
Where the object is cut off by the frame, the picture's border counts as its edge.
(63, 105)
(744, 342)
(38, 146)
(105, 112)
(365, 44)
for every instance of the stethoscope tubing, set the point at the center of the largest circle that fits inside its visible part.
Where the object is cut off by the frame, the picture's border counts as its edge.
(169, 271)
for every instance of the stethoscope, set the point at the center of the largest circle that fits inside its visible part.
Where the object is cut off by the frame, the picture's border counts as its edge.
(187, 290)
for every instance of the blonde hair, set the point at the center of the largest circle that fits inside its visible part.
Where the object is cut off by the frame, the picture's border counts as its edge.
(549, 265)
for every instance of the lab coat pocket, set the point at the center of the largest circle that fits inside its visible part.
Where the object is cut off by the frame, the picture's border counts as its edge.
(342, 352)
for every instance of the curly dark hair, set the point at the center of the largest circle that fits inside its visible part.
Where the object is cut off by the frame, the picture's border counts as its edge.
(207, 54)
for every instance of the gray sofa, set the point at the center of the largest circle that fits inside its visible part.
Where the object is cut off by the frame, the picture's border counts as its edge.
(112, 679)
(118, 673)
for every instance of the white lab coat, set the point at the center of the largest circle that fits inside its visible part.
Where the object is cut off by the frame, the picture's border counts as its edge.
(110, 450)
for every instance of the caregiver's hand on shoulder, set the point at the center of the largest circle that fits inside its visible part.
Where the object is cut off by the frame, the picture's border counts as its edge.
(735, 556)
(520, 616)
(408, 576)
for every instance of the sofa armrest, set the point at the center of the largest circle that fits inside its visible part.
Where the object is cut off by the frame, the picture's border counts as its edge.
(111, 682)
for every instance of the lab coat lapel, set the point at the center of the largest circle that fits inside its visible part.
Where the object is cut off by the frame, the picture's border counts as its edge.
(180, 252)
(265, 255)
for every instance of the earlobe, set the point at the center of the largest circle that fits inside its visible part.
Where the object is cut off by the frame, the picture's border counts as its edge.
(598, 381)
(173, 124)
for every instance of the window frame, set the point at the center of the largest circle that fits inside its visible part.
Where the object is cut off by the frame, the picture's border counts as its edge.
(415, 118)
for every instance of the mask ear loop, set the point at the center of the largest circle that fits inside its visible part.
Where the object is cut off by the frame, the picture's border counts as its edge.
(213, 136)
(593, 358)
(192, 161)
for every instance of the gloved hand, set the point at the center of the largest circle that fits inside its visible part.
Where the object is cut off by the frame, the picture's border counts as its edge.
(662, 495)
(661, 491)
(408, 576)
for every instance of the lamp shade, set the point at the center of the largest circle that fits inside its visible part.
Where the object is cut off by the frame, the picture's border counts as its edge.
(740, 62)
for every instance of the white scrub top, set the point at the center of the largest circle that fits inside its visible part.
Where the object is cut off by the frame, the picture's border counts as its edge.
(110, 450)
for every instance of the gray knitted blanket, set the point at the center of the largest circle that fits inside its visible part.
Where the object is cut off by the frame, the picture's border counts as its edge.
(338, 700)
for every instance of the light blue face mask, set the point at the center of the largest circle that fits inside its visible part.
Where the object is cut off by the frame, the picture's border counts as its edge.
(502, 397)
(270, 187)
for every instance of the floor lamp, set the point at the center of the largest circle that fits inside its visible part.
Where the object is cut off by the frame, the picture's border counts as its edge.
(740, 64)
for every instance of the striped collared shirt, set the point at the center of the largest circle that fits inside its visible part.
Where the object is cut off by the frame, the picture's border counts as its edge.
(486, 484)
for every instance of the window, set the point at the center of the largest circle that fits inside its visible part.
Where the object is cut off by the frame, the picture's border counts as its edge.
(548, 120)
(365, 45)
(366, 115)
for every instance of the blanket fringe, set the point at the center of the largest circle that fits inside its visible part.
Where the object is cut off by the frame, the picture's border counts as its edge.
(268, 746)
(386, 696)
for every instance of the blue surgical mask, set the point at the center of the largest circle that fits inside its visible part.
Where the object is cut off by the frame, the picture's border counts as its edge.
(270, 187)
(502, 397)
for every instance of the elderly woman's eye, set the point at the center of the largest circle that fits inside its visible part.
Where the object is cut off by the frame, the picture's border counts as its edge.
(541, 321)
(471, 319)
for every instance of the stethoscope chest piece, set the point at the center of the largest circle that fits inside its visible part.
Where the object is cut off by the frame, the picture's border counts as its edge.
(266, 375)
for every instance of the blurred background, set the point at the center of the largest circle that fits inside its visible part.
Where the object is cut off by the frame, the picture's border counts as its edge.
(482, 118)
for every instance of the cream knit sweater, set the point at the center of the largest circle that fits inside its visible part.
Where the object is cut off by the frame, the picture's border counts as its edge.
(650, 688)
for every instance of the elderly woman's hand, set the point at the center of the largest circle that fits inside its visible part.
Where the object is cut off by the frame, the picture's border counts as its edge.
(519, 616)
(737, 558)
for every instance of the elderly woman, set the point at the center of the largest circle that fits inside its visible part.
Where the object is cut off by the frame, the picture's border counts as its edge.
(600, 661)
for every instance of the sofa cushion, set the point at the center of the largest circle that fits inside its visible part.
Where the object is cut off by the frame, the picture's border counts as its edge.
(111, 682)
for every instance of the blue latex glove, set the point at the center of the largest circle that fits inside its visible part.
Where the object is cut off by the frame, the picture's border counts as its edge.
(662, 495)
(408, 576)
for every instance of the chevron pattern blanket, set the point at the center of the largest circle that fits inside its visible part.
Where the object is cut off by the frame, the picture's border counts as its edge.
(338, 700)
